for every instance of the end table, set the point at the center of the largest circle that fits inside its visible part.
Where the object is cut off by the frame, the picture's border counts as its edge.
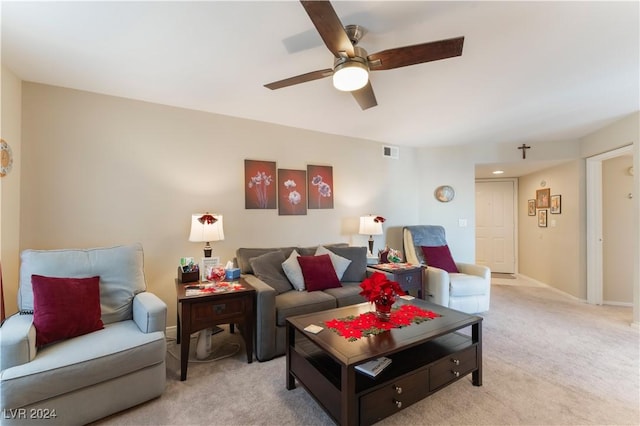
(409, 276)
(206, 310)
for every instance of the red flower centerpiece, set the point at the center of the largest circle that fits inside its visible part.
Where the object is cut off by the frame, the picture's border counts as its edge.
(382, 292)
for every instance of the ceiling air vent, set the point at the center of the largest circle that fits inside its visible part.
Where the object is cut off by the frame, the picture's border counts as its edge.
(391, 152)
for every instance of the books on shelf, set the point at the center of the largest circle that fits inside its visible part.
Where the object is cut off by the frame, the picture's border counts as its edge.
(374, 367)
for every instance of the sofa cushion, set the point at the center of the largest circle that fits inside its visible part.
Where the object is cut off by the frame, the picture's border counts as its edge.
(244, 256)
(439, 257)
(120, 268)
(348, 294)
(340, 264)
(292, 270)
(294, 303)
(65, 307)
(318, 272)
(268, 267)
(310, 251)
(69, 365)
(357, 270)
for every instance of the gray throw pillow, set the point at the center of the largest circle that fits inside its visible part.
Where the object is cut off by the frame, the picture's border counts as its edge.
(268, 267)
(357, 270)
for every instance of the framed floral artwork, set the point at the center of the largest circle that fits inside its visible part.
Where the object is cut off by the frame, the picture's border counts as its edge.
(531, 207)
(542, 198)
(320, 187)
(542, 218)
(556, 204)
(292, 192)
(259, 185)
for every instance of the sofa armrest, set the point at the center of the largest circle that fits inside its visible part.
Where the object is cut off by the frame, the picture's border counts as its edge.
(436, 283)
(473, 269)
(265, 327)
(17, 341)
(149, 312)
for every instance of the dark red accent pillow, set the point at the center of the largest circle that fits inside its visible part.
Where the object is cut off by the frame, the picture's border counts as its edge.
(65, 307)
(318, 272)
(439, 257)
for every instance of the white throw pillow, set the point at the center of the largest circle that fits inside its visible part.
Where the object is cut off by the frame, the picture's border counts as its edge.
(340, 264)
(293, 271)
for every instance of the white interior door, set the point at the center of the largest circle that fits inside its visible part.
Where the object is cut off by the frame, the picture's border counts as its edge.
(495, 225)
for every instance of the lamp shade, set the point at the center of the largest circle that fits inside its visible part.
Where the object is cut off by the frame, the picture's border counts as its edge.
(368, 226)
(206, 227)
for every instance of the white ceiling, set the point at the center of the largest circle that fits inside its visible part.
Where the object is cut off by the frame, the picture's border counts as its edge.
(530, 71)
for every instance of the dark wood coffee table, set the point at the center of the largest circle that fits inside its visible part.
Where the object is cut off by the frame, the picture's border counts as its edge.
(426, 358)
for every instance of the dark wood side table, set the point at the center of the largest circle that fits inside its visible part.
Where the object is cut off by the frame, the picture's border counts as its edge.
(409, 277)
(195, 313)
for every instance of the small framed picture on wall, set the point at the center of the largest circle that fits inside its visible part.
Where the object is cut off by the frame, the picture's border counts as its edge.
(542, 218)
(531, 207)
(556, 204)
(542, 198)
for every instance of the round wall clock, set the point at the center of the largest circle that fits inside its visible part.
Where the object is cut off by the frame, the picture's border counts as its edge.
(6, 158)
(444, 193)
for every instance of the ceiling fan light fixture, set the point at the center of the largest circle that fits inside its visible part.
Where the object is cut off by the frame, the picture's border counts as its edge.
(350, 75)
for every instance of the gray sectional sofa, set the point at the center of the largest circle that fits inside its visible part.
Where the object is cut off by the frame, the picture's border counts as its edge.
(277, 298)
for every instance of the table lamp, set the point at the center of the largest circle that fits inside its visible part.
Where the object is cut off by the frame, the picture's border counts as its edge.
(206, 227)
(371, 225)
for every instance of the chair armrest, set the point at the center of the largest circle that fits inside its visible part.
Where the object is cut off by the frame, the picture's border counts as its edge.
(436, 283)
(149, 312)
(473, 269)
(17, 341)
(265, 327)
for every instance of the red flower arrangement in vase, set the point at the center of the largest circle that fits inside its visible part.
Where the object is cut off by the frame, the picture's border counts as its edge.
(382, 292)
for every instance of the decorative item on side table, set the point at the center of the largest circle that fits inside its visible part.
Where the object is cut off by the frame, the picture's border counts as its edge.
(206, 227)
(382, 292)
(371, 225)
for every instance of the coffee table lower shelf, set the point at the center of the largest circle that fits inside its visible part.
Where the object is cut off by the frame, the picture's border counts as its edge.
(352, 398)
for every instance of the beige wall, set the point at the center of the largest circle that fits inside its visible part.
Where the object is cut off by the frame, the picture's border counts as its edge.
(617, 221)
(11, 101)
(555, 255)
(104, 170)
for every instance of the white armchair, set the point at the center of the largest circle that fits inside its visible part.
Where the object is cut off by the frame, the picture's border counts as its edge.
(468, 290)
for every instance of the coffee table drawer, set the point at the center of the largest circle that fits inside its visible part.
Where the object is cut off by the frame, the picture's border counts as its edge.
(205, 313)
(452, 367)
(393, 397)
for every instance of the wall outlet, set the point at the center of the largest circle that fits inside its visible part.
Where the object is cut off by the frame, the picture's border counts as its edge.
(462, 223)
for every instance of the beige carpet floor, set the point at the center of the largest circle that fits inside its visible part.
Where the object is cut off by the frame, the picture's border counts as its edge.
(548, 360)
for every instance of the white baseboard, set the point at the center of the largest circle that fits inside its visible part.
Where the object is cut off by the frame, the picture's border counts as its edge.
(171, 332)
(552, 288)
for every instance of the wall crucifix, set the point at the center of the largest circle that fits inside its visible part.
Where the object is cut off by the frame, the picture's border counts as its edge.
(524, 149)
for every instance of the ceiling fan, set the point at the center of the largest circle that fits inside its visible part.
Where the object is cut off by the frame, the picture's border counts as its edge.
(352, 64)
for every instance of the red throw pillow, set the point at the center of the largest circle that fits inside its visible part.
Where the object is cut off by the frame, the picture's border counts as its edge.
(439, 257)
(65, 307)
(318, 272)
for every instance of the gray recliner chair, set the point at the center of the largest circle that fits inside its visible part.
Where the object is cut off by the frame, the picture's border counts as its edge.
(80, 379)
(468, 291)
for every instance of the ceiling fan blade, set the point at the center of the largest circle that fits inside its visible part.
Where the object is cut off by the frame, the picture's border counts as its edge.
(416, 54)
(365, 96)
(328, 24)
(302, 78)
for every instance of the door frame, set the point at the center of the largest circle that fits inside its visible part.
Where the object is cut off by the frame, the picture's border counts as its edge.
(516, 213)
(594, 222)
